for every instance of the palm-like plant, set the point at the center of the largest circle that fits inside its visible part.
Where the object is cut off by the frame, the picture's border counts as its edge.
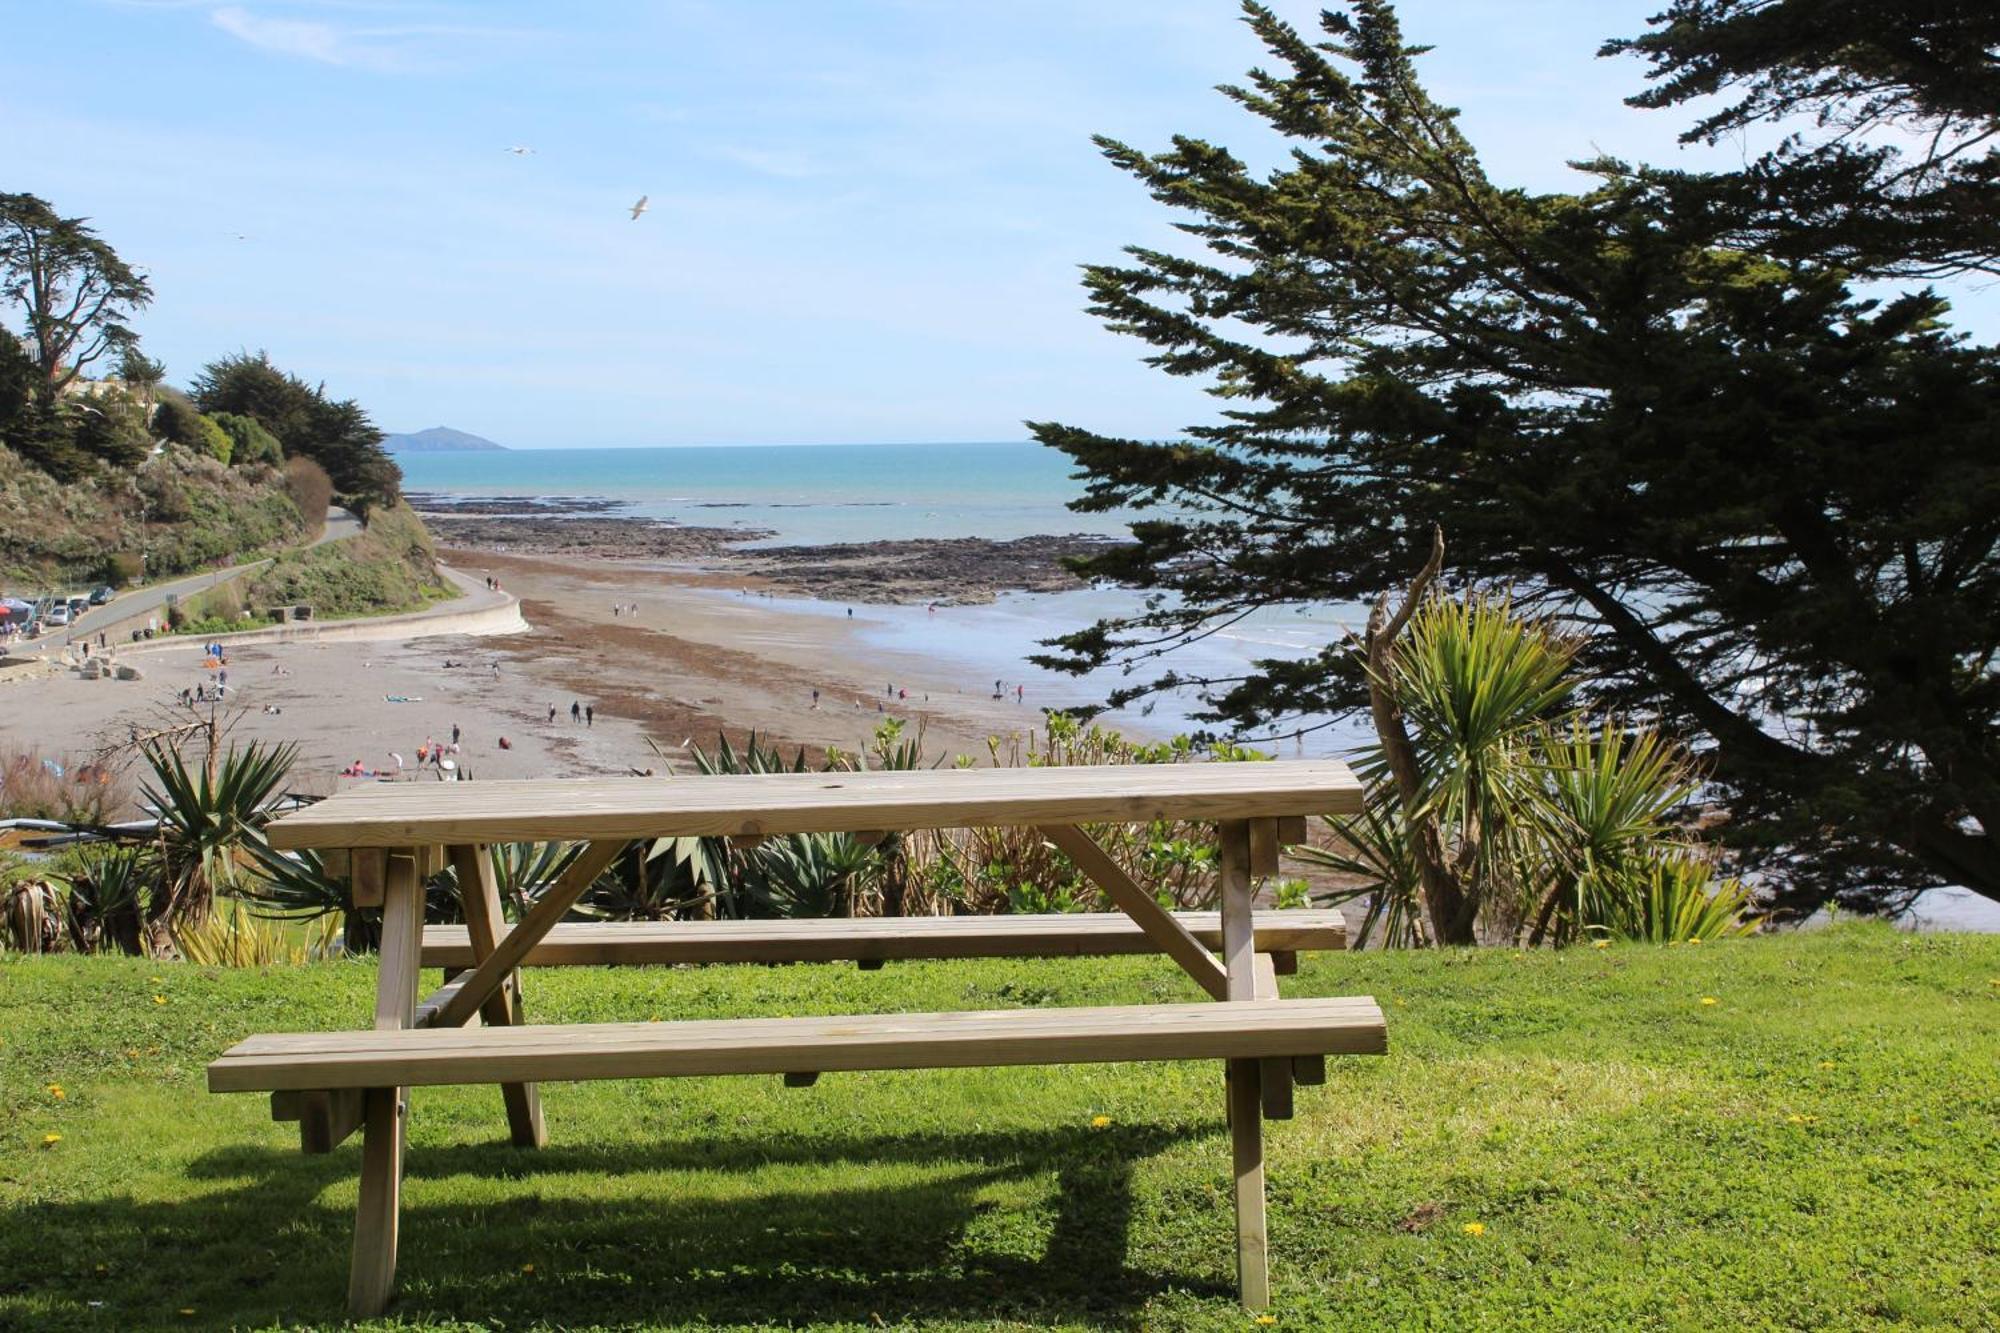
(1374, 848)
(112, 891)
(1492, 803)
(1609, 798)
(1459, 703)
(207, 816)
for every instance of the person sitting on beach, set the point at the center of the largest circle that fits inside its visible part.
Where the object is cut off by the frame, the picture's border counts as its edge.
(506, 744)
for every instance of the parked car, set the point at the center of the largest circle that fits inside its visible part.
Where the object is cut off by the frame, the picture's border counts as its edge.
(78, 605)
(99, 596)
(57, 616)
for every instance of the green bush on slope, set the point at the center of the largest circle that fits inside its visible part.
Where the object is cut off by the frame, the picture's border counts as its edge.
(390, 566)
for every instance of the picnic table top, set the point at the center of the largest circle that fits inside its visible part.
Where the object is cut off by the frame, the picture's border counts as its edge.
(592, 809)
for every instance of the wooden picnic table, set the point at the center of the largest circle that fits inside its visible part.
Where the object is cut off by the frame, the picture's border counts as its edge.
(388, 839)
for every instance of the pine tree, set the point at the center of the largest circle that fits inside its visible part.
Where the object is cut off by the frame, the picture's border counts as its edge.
(1772, 503)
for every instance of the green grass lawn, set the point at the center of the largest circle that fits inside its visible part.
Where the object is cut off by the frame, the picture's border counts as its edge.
(1573, 1140)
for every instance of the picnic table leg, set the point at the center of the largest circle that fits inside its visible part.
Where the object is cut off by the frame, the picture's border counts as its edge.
(1246, 1103)
(484, 925)
(385, 1111)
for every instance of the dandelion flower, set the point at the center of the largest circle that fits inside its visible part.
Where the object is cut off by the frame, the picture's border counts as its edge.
(56, 1091)
(1474, 1228)
(1708, 1000)
(1600, 944)
(1694, 940)
(51, 1140)
(1100, 1122)
(1265, 1319)
(159, 999)
(527, 1268)
(1826, 1064)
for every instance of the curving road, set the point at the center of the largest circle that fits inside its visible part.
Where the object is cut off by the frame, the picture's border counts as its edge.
(340, 525)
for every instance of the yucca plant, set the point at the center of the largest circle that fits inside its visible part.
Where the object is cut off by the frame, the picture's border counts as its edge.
(1494, 806)
(115, 900)
(1459, 701)
(208, 815)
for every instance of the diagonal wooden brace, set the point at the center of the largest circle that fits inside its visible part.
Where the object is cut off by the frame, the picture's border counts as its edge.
(480, 895)
(1155, 920)
(484, 981)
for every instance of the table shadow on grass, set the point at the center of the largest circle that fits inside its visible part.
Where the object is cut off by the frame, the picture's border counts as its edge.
(267, 1244)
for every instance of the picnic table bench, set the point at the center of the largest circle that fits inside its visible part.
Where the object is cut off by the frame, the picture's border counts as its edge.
(333, 1083)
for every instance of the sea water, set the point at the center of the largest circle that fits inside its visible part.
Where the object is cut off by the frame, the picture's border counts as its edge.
(806, 494)
(818, 494)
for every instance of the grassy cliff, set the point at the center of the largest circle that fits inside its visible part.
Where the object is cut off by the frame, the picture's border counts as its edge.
(391, 566)
(177, 513)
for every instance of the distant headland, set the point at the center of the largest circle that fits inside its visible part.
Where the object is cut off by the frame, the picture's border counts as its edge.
(438, 440)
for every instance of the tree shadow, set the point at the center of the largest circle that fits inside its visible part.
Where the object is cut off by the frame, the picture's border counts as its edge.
(853, 1229)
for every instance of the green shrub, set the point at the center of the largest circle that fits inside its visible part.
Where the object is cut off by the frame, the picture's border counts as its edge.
(253, 444)
(176, 419)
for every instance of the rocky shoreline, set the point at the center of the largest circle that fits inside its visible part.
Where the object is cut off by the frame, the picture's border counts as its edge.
(947, 571)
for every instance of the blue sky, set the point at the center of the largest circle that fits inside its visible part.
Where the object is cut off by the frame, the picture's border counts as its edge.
(866, 214)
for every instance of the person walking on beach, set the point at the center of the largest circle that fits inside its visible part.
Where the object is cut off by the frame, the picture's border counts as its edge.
(590, 715)
(552, 712)
(575, 711)
(815, 700)
(454, 733)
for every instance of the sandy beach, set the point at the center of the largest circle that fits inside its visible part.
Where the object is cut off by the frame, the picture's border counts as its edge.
(703, 654)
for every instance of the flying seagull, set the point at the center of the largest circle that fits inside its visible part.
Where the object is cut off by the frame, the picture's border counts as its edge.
(639, 207)
(520, 150)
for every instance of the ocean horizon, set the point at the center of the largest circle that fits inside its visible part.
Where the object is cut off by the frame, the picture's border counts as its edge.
(809, 494)
(828, 493)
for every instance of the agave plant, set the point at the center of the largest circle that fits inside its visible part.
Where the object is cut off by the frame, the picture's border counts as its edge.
(31, 910)
(660, 879)
(208, 816)
(115, 901)
(814, 875)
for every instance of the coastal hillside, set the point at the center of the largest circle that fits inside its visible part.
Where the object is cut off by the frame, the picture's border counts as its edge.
(439, 440)
(177, 512)
(390, 566)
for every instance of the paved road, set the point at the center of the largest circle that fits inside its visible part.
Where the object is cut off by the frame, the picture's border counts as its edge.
(340, 525)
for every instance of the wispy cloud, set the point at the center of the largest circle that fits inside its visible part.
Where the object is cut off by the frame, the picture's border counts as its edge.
(393, 49)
